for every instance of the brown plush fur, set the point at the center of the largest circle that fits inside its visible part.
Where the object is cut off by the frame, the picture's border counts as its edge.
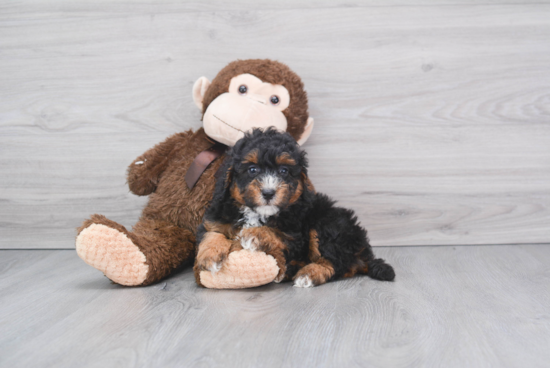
(165, 232)
(275, 73)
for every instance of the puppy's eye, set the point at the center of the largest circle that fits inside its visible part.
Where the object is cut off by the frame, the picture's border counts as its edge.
(243, 89)
(253, 170)
(283, 170)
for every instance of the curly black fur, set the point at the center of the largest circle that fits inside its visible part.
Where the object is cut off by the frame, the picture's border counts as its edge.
(341, 240)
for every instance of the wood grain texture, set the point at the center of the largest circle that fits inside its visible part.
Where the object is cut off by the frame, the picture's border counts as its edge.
(432, 118)
(23, 8)
(475, 306)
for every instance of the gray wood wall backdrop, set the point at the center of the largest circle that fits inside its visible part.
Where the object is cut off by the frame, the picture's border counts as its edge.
(432, 117)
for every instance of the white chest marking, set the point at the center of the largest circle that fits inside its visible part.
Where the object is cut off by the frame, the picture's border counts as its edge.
(251, 218)
(256, 218)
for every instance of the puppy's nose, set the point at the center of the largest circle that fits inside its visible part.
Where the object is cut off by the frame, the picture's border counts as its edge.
(268, 194)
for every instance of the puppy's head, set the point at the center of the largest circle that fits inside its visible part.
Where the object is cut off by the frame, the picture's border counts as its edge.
(268, 172)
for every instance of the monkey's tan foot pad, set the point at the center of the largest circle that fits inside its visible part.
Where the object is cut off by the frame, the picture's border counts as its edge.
(242, 269)
(113, 253)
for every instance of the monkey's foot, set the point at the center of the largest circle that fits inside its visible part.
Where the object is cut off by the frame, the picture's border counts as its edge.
(242, 269)
(113, 253)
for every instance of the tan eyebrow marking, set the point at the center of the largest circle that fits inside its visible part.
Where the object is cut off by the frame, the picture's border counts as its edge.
(251, 157)
(285, 159)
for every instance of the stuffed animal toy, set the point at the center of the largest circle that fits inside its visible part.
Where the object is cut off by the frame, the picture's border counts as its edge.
(178, 175)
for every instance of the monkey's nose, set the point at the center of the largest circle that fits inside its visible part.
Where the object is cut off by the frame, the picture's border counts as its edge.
(268, 194)
(257, 98)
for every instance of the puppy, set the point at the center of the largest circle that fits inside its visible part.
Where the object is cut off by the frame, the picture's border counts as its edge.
(264, 201)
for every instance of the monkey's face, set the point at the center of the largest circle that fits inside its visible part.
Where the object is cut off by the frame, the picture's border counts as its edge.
(249, 103)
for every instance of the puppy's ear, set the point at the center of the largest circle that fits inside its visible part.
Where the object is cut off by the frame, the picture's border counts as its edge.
(228, 177)
(222, 190)
(224, 181)
(308, 192)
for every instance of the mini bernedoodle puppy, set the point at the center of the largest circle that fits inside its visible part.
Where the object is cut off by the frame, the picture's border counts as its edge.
(264, 201)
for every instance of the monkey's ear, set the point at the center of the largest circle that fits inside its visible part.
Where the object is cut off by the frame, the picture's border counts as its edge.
(307, 131)
(199, 90)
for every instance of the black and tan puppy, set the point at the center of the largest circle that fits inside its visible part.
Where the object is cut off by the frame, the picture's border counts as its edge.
(264, 201)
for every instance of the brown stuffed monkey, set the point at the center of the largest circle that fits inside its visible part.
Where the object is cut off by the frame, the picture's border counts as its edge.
(178, 176)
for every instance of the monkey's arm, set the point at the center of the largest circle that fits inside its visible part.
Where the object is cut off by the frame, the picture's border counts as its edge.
(144, 172)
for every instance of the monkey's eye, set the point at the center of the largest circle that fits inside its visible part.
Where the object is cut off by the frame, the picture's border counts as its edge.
(283, 170)
(253, 170)
(242, 89)
(274, 100)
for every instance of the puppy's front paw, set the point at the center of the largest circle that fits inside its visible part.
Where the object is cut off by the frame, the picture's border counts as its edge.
(282, 273)
(215, 267)
(250, 243)
(303, 282)
(211, 259)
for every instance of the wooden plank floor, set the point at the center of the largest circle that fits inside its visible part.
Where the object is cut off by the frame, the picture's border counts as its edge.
(474, 306)
(432, 117)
